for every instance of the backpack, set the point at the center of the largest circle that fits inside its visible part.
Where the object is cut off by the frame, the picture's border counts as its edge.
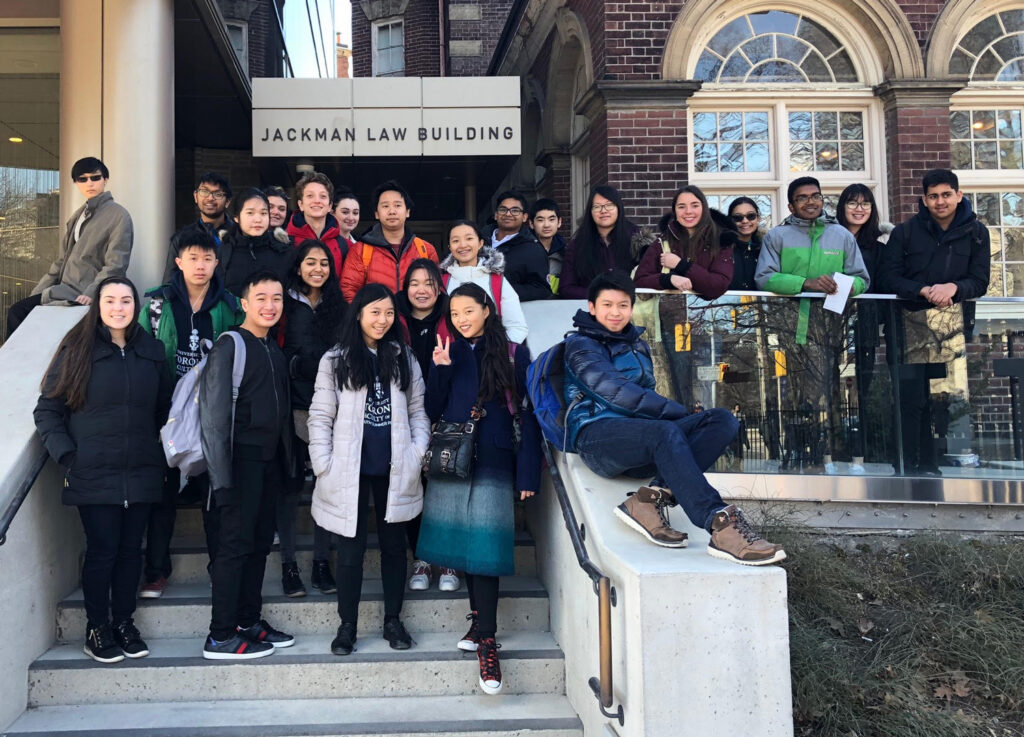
(367, 252)
(181, 437)
(545, 383)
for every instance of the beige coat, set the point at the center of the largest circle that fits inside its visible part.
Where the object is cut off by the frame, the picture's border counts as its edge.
(335, 448)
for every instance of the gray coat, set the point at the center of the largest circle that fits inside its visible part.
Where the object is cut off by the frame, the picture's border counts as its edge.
(103, 249)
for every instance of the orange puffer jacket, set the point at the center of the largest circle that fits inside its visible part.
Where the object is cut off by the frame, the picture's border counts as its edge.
(372, 260)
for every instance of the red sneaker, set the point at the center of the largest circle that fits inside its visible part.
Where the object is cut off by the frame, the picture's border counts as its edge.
(153, 589)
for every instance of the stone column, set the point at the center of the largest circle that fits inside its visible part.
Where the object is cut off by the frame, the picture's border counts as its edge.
(117, 103)
(917, 136)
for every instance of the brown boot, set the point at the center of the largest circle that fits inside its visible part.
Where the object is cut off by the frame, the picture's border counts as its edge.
(732, 538)
(644, 511)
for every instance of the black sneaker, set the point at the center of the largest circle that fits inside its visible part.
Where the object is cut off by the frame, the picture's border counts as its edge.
(100, 645)
(395, 634)
(321, 577)
(237, 648)
(345, 642)
(290, 581)
(127, 637)
(263, 632)
(471, 640)
(490, 666)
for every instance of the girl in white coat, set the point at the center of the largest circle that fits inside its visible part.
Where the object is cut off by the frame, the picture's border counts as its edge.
(368, 431)
(471, 261)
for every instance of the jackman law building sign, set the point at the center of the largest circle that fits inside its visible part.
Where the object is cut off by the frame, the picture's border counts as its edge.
(386, 116)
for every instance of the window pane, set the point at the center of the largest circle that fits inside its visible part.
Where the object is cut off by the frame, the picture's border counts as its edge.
(777, 71)
(986, 205)
(984, 123)
(960, 124)
(981, 35)
(800, 126)
(731, 155)
(1013, 244)
(757, 126)
(960, 63)
(730, 37)
(735, 69)
(383, 37)
(1013, 20)
(815, 68)
(985, 156)
(1013, 211)
(705, 157)
(704, 126)
(757, 157)
(708, 67)
(818, 37)
(800, 157)
(774, 21)
(851, 126)
(758, 49)
(398, 34)
(731, 131)
(1009, 124)
(791, 49)
(1014, 280)
(827, 156)
(825, 125)
(842, 67)
(1012, 72)
(987, 66)
(961, 155)
(730, 126)
(853, 157)
(1009, 155)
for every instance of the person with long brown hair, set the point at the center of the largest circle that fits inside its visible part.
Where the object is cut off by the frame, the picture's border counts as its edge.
(104, 398)
(696, 249)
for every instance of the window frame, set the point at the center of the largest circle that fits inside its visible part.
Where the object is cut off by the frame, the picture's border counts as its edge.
(243, 55)
(375, 50)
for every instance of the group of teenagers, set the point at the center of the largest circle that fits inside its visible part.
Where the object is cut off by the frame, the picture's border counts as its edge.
(353, 350)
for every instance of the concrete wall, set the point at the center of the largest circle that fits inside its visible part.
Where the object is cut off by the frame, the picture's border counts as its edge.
(39, 562)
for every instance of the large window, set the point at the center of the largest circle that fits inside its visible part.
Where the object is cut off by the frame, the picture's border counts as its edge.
(747, 139)
(389, 48)
(993, 50)
(29, 146)
(1003, 213)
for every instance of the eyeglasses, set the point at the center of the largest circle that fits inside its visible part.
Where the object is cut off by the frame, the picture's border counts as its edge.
(803, 199)
(217, 195)
(740, 217)
(88, 178)
(851, 205)
(606, 207)
(510, 210)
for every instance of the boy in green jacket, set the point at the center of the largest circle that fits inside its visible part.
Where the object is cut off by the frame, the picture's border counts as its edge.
(191, 308)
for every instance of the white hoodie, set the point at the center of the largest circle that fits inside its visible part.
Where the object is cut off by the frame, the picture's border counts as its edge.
(488, 262)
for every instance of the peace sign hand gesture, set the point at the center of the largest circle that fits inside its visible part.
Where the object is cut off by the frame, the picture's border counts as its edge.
(441, 355)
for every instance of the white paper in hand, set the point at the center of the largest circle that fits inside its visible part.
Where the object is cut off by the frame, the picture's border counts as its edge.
(844, 285)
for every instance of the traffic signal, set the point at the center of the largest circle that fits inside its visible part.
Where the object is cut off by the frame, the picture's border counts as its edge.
(682, 335)
(723, 369)
(780, 363)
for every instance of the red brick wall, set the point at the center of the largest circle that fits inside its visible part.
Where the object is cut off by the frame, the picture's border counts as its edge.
(646, 160)
(917, 139)
(635, 38)
(487, 30)
(362, 47)
(593, 14)
(422, 37)
(922, 15)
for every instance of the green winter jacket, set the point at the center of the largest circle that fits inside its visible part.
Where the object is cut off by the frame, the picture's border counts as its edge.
(800, 249)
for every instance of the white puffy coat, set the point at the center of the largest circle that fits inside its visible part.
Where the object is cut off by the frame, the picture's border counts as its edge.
(335, 448)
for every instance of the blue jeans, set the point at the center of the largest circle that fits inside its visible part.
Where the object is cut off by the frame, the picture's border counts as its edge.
(676, 452)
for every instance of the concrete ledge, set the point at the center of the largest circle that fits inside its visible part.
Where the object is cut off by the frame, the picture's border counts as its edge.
(697, 641)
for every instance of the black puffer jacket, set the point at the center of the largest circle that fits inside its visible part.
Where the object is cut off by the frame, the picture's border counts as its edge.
(744, 263)
(422, 334)
(921, 254)
(307, 337)
(241, 255)
(110, 448)
(526, 264)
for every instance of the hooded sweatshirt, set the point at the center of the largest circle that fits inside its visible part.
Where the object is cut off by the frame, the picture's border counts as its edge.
(299, 230)
(488, 262)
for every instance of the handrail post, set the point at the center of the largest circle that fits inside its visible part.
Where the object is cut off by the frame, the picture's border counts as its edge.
(604, 618)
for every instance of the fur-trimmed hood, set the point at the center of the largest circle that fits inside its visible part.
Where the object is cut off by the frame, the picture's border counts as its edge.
(727, 231)
(488, 260)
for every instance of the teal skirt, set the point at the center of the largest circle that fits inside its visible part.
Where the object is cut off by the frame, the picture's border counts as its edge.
(470, 525)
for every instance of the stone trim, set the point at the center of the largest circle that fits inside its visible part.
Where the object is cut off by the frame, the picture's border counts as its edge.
(901, 93)
(636, 94)
(378, 9)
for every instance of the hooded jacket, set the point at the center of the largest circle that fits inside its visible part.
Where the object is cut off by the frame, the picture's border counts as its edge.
(800, 249)
(110, 448)
(103, 249)
(571, 286)
(336, 424)
(219, 233)
(526, 263)
(710, 273)
(386, 266)
(920, 254)
(299, 230)
(241, 255)
(488, 262)
(157, 317)
(610, 375)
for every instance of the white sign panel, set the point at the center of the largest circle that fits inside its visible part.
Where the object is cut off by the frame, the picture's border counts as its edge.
(707, 373)
(410, 116)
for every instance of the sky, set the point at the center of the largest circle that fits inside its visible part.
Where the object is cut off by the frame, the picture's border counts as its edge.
(306, 46)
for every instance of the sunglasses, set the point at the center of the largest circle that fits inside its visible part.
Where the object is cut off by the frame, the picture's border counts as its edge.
(89, 178)
(739, 218)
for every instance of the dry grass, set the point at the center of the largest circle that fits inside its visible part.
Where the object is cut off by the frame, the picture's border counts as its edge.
(921, 637)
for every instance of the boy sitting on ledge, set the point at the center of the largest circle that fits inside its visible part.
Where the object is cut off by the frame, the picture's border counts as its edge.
(619, 424)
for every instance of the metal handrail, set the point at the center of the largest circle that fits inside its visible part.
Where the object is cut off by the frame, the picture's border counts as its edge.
(606, 597)
(24, 487)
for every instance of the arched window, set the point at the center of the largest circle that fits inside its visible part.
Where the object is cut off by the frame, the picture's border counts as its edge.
(987, 144)
(776, 47)
(993, 50)
(746, 138)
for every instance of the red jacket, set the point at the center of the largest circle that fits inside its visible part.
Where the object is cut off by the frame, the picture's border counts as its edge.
(374, 261)
(300, 230)
(710, 274)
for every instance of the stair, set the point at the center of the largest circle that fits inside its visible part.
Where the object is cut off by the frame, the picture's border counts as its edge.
(431, 689)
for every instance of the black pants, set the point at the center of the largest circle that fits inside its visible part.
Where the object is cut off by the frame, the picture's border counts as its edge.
(352, 549)
(18, 311)
(161, 524)
(286, 520)
(246, 533)
(483, 599)
(113, 560)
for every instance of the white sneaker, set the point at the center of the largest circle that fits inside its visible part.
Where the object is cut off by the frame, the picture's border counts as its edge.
(420, 578)
(831, 469)
(857, 469)
(448, 581)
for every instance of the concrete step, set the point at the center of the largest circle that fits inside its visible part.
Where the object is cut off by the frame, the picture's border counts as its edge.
(537, 715)
(189, 558)
(184, 610)
(531, 662)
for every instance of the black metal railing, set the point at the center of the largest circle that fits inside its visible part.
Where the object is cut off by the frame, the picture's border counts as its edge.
(24, 486)
(606, 597)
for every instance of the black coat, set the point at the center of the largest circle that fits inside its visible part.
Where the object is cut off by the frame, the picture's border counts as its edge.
(422, 334)
(744, 263)
(110, 448)
(921, 254)
(262, 417)
(307, 338)
(241, 255)
(526, 264)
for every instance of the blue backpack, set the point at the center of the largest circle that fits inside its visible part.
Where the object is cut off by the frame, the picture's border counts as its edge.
(545, 383)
